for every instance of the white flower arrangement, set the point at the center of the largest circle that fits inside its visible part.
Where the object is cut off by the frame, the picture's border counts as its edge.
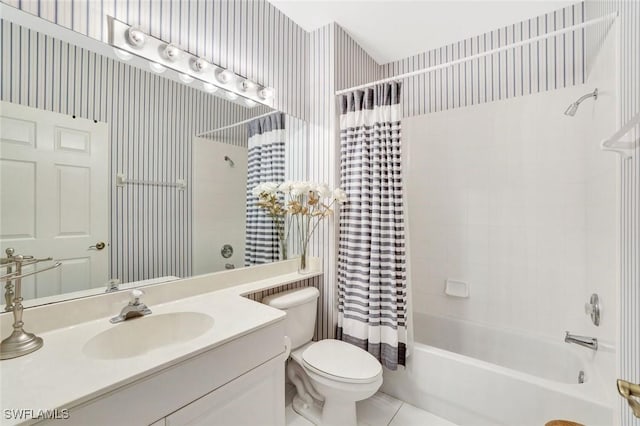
(300, 204)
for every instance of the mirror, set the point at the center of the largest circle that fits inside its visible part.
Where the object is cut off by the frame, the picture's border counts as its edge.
(126, 176)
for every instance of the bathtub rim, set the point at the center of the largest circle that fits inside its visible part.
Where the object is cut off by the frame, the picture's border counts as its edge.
(583, 391)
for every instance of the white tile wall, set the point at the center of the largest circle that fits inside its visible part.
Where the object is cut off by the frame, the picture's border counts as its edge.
(518, 200)
(219, 191)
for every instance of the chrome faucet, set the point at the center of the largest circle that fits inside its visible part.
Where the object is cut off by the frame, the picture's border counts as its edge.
(587, 342)
(113, 285)
(134, 309)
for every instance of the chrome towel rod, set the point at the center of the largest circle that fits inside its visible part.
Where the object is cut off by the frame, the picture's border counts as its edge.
(121, 181)
(585, 24)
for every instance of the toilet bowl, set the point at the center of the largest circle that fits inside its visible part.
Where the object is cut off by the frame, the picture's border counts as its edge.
(342, 374)
(330, 375)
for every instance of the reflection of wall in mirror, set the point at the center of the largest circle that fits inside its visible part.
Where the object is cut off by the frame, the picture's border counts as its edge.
(151, 121)
(296, 142)
(219, 204)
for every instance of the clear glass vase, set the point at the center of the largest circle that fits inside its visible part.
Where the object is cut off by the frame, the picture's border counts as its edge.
(303, 267)
(283, 250)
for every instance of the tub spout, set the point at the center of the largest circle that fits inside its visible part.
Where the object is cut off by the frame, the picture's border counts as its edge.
(587, 342)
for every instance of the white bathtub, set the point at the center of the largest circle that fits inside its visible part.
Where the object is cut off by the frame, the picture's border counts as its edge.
(475, 375)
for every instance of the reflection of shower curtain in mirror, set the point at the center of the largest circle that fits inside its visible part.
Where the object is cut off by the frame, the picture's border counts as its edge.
(265, 164)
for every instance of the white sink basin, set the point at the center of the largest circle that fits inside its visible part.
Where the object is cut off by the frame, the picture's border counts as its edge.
(138, 336)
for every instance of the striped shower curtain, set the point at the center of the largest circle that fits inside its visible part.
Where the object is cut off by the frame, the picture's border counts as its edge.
(265, 164)
(372, 289)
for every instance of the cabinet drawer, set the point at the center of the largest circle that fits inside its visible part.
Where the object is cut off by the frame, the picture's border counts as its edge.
(255, 398)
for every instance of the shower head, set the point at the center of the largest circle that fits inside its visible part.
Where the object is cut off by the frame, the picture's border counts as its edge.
(573, 108)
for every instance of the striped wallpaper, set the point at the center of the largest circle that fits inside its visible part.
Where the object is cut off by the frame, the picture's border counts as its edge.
(629, 77)
(354, 66)
(151, 124)
(336, 61)
(321, 163)
(545, 65)
(250, 37)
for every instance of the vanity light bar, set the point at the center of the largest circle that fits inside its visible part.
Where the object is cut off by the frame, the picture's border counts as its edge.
(128, 41)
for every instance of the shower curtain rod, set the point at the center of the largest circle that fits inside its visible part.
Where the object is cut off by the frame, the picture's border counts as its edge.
(239, 123)
(610, 16)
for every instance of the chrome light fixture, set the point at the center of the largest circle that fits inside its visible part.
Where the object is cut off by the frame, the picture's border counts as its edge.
(142, 49)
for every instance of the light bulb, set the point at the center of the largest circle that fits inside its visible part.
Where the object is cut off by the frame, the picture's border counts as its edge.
(136, 37)
(266, 93)
(209, 87)
(122, 54)
(171, 52)
(232, 96)
(199, 65)
(224, 76)
(157, 68)
(185, 78)
(247, 85)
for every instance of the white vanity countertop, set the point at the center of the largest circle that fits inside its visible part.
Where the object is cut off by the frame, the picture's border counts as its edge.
(62, 375)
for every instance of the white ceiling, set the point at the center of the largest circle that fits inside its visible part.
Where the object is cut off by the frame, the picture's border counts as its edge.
(395, 29)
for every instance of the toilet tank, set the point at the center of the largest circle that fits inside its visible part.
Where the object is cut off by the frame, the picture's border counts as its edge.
(300, 304)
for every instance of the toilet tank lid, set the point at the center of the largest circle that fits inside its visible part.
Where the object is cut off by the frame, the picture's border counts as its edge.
(290, 298)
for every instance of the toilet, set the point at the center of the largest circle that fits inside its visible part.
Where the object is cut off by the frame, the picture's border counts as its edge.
(330, 376)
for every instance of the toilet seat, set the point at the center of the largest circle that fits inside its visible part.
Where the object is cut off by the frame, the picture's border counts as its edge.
(341, 362)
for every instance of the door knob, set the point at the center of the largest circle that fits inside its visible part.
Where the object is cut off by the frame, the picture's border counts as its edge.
(99, 246)
(631, 393)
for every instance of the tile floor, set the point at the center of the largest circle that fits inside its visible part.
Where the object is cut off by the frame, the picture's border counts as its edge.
(381, 410)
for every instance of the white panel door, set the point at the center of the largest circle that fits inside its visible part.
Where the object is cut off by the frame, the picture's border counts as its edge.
(54, 196)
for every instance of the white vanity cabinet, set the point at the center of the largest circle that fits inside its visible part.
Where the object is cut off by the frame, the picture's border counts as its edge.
(251, 399)
(240, 382)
